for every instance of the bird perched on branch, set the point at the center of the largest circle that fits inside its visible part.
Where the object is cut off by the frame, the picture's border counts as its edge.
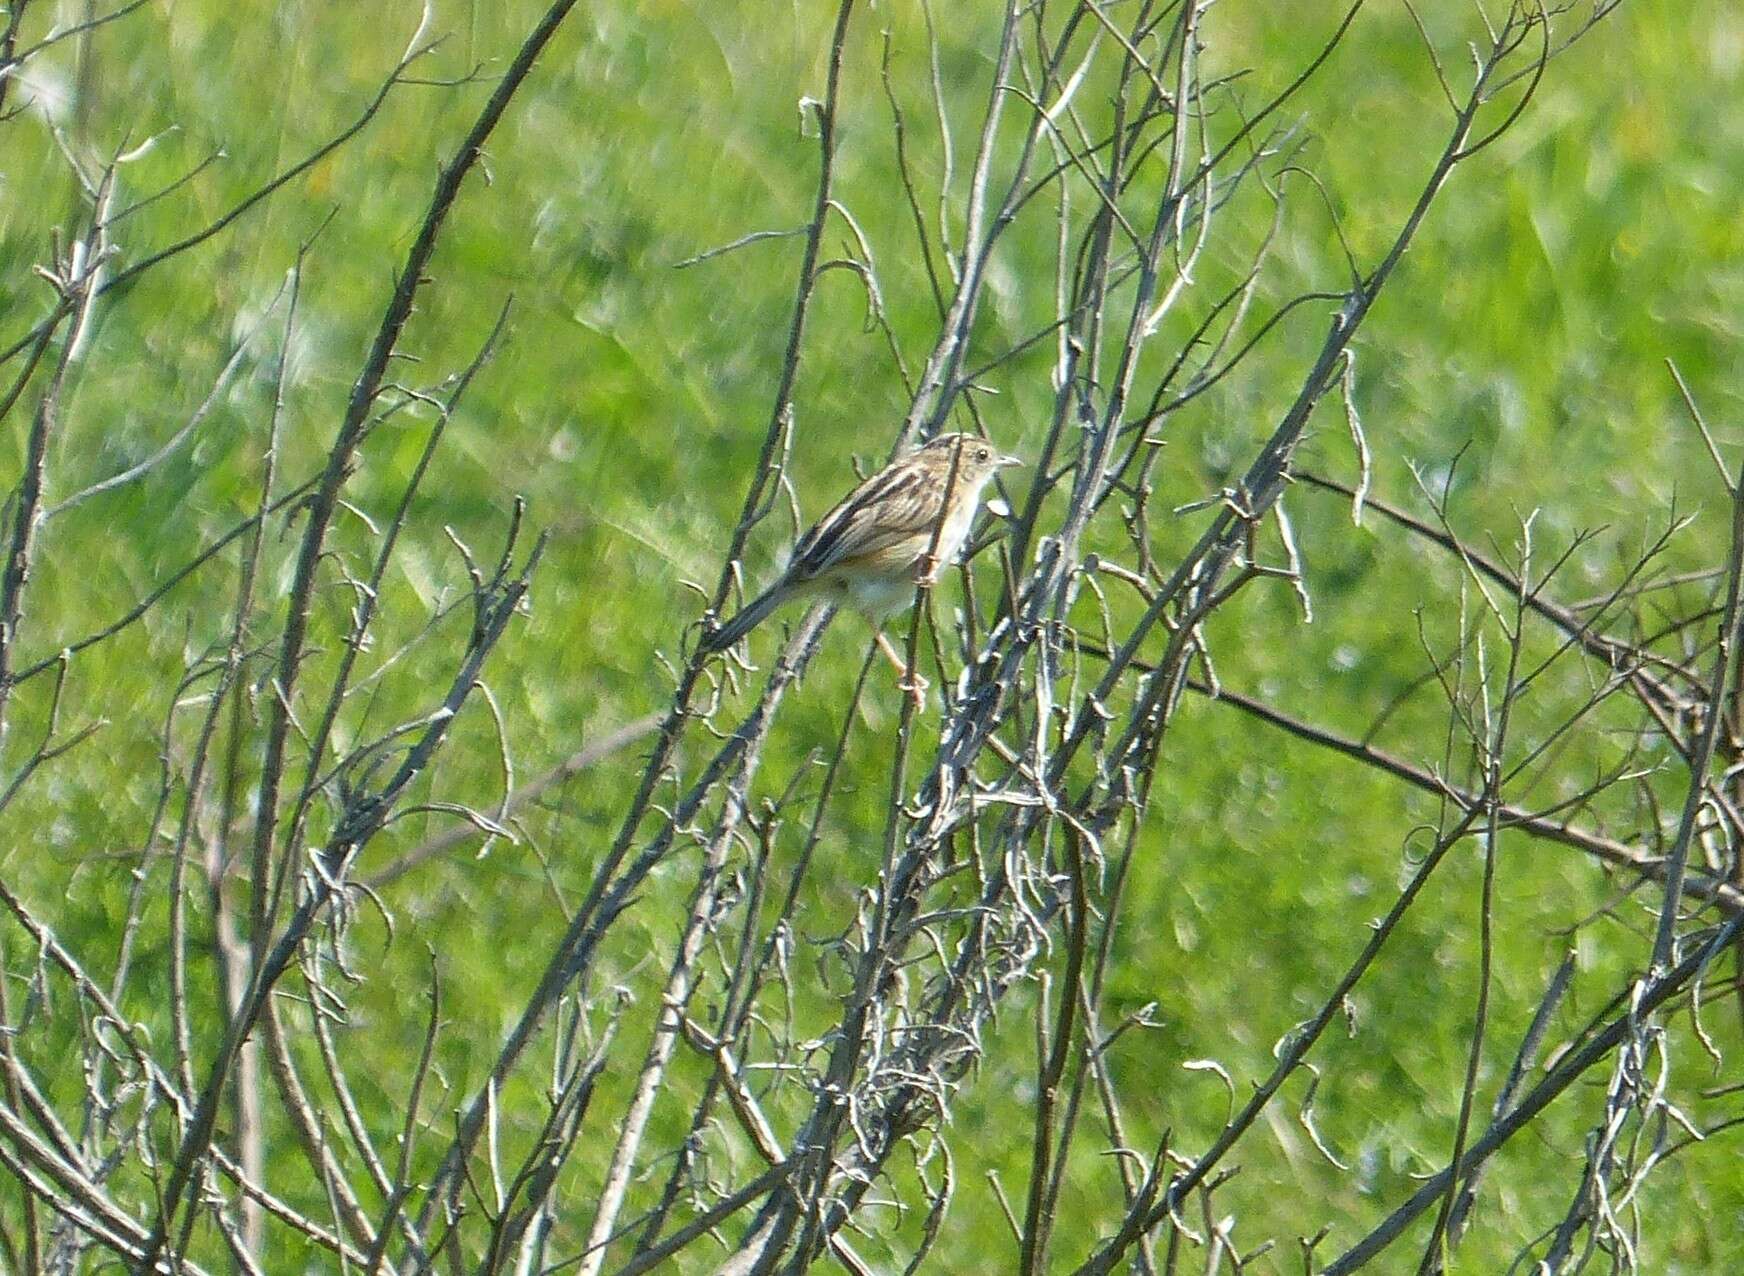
(898, 530)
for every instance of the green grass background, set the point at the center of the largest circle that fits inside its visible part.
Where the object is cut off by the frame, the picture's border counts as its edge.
(1531, 319)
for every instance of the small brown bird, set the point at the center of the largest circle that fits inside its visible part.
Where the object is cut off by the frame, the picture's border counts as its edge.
(899, 529)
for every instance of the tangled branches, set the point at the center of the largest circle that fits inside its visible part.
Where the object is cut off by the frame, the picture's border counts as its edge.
(727, 1082)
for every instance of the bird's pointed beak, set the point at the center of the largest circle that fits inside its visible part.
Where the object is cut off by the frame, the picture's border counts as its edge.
(1006, 461)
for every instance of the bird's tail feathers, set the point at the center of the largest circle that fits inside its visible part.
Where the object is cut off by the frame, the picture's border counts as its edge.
(750, 616)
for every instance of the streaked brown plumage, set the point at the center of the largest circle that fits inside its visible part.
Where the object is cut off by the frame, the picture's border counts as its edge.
(878, 543)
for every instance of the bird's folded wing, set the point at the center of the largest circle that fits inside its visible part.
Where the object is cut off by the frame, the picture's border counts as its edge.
(892, 507)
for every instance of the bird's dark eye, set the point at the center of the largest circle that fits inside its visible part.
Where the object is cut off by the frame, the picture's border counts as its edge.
(981, 454)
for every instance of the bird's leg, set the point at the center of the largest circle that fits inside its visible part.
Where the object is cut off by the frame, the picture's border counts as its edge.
(909, 680)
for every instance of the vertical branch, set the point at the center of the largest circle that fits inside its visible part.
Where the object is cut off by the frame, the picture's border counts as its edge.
(1731, 642)
(9, 48)
(264, 882)
(29, 1224)
(933, 397)
(1038, 1220)
(782, 406)
(76, 281)
(1494, 745)
(270, 964)
(569, 956)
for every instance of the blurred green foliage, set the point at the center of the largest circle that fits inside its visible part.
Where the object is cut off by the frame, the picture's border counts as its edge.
(1531, 320)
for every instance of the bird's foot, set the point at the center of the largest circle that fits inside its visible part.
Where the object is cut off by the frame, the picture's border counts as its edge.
(908, 680)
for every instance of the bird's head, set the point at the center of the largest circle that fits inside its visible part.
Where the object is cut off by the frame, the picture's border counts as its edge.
(975, 459)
